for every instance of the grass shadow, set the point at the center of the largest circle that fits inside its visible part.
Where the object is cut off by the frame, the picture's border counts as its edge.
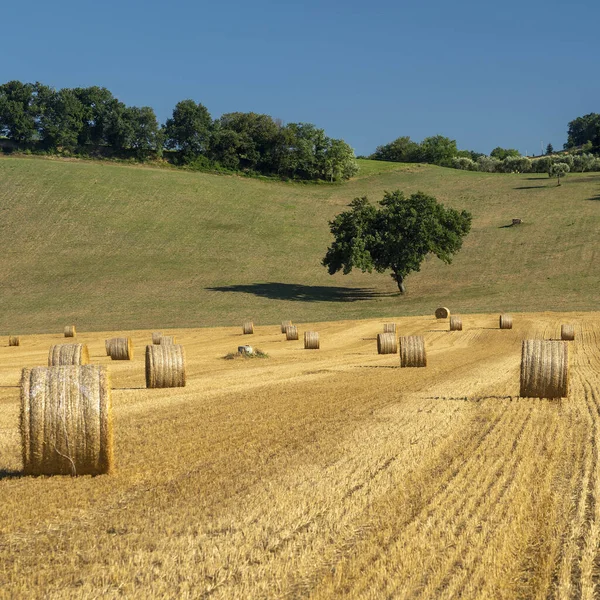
(143, 387)
(304, 293)
(377, 366)
(531, 187)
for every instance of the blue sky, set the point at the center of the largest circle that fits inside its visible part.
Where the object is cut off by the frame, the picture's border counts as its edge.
(487, 74)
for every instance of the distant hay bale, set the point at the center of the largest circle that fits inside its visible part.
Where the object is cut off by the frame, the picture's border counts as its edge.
(544, 369)
(107, 344)
(68, 354)
(66, 422)
(389, 328)
(412, 351)
(284, 325)
(121, 349)
(14, 340)
(291, 332)
(311, 340)
(442, 313)
(156, 335)
(167, 340)
(248, 327)
(567, 332)
(70, 331)
(455, 323)
(165, 366)
(506, 321)
(387, 343)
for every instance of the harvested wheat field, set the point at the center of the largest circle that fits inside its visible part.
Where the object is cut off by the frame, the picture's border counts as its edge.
(320, 474)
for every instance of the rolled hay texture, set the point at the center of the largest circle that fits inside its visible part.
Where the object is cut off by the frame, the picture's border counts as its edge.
(248, 327)
(389, 328)
(68, 354)
(455, 324)
(442, 313)
(544, 369)
(121, 349)
(70, 331)
(311, 340)
(505, 321)
(156, 335)
(107, 344)
(14, 340)
(412, 351)
(165, 366)
(567, 332)
(66, 422)
(167, 340)
(387, 343)
(285, 325)
(291, 332)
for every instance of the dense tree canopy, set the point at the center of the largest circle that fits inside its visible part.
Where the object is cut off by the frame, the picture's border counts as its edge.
(583, 130)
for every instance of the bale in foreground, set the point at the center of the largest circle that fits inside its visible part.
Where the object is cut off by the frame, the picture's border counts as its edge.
(412, 351)
(248, 327)
(70, 331)
(165, 366)
(567, 332)
(68, 354)
(291, 332)
(66, 424)
(14, 340)
(121, 349)
(311, 340)
(442, 313)
(455, 324)
(387, 343)
(389, 328)
(544, 369)
(506, 322)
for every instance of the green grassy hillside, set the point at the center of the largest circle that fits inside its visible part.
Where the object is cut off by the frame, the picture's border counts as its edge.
(112, 247)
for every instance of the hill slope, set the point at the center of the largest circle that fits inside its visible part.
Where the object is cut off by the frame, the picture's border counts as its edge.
(113, 247)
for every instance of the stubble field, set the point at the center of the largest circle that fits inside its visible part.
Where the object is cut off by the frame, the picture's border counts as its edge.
(320, 473)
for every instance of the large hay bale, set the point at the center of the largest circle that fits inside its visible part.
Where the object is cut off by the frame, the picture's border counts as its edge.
(389, 328)
(66, 424)
(291, 332)
(156, 335)
(14, 340)
(311, 340)
(285, 325)
(68, 354)
(70, 331)
(121, 349)
(506, 321)
(442, 313)
(165, 366)
(455, 323)
(412, 351)
(248, 327)
(544, 369)
(168, 340)
(387, 343)
(567, 332)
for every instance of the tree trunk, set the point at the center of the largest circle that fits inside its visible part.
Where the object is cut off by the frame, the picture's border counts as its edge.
(400, 282)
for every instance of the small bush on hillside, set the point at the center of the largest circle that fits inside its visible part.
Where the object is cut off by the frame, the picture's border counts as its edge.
(464, 163)
(516, 164)
(488, 164)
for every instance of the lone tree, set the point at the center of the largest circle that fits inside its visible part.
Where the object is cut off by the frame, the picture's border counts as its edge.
(549, 149)
(559, 169)
(397, 236)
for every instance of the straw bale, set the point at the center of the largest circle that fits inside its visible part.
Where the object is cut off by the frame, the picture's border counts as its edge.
(387, 343)
(167, 340)
(165, 366)
(66, 424)
(284, 325)
(389, 328)
(68, 354)
(156, 335)
(506, 321)
(14, 340)
(311, 340)
(567, 332)
(248, 327)
(455, 323)
(291, 332)
(412, 351)
(544, 369)
(442, 313)
(121, 349)
(70, 331)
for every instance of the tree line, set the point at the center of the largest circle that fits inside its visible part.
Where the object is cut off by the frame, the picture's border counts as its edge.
(91, 121)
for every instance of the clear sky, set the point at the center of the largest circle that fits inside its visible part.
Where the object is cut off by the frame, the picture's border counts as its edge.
(485, 73)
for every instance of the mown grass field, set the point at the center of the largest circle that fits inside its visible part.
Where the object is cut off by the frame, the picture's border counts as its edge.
(107, 247)
(320, 474)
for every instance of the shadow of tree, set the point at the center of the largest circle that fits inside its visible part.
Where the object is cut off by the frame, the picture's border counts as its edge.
(596, 198)
(531, 187)
(4, 474)
(304, 293)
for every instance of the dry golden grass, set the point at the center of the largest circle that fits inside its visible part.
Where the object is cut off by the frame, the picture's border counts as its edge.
(320, 475)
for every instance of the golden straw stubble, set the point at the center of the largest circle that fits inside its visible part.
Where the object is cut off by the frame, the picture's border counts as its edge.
(311, 340)
(389, 328)
(442, 313)
(544, 369)
(248, 327)
(387, 343)
(412, 351)
(121, 349)
(506, 321)
(14, 340)
(455, 323)
(165, 366)
(68, 354)
(66, 420)
(291, 332)
(70, 331)
(567, 332)
(284, 325)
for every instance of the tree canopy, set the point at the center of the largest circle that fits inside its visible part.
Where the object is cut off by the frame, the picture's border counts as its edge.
(395, 236)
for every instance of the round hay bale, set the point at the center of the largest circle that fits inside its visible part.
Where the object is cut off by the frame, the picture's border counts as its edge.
(68, 354)
(455, 323)
(544, 369)
(70, 331)
(285, 325)
(442, 313)
(505, 321)
(248, 327)
(121, 349)
(156, 335)
(107, 344)
(387, 343)
(291, 332)
(167, 340)
(66, 424)
(311, 340)
(14, 340)
(389, 328)
(412, 351)
(567, 332)
(165, 366)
